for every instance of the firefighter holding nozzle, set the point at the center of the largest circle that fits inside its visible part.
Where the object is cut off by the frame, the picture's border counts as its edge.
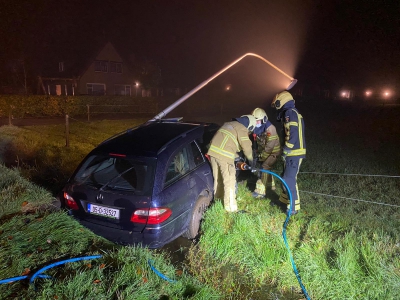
(228, 141)
(268, 151)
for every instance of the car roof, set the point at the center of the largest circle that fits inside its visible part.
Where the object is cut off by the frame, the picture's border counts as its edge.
(148, 139)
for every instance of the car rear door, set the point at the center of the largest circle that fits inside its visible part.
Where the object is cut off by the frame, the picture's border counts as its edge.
(177, 191)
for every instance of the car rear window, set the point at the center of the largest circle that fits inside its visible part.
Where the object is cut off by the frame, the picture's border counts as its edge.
(117, 173)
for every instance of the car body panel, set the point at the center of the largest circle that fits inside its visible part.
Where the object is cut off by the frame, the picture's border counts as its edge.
(176, 169)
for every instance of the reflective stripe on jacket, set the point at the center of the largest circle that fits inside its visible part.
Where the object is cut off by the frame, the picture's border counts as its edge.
(268, 142)
(231, 138)
(295, 143)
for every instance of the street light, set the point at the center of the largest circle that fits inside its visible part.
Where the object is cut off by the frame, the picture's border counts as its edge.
(346, 94)
(136, 86)
(368, 93)
(201, 85)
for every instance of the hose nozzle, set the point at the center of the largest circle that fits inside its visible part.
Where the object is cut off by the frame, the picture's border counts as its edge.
(242, 166)
(291, 84)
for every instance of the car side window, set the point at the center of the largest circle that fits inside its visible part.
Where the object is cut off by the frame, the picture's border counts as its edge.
(178, 166)
(197, 156)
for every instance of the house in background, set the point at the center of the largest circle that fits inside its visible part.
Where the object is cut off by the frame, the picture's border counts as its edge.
(79, 73)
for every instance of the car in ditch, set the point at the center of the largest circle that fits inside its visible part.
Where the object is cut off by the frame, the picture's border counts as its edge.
(147, 185)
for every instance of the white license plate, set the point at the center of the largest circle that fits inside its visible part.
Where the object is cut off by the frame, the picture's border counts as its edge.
(103, 211)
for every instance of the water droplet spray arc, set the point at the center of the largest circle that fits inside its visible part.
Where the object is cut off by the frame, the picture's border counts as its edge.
(204, 83)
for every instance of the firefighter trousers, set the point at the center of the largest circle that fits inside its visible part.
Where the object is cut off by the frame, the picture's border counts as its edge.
(291, 169)
(224, 174)
(266, 180)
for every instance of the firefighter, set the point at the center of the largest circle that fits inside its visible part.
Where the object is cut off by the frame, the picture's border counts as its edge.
(231, 138)
(268, 151)
(294, 146)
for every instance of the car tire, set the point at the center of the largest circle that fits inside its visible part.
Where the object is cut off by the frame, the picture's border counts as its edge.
(195, 217)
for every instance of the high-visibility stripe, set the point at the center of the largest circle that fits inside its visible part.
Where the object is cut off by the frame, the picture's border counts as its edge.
(289, 145)
(301, 130)
(231, 136)
(293, 124)
(295, 152)
(224, 141)
(222, 152)
(301, 150)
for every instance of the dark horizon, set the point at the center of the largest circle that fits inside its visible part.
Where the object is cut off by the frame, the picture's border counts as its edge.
(329, 43)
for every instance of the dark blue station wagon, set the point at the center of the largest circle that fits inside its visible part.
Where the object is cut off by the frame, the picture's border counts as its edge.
(146, 186)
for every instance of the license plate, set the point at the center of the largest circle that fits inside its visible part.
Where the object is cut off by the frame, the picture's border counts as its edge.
(103, 211)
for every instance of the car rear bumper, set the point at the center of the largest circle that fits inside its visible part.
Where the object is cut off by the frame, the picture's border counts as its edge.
(154, 237)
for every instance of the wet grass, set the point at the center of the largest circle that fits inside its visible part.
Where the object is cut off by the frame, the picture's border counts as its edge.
(40, 154)
(33, 234)
(346, 243)
(336, 259)
(343, 248)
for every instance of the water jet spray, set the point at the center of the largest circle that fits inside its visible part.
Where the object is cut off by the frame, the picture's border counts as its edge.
(204, 83)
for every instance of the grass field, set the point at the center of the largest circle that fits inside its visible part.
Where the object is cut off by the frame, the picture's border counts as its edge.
(345, 241)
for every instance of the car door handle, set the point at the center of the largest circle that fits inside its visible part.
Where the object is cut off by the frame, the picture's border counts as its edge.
(206, 173)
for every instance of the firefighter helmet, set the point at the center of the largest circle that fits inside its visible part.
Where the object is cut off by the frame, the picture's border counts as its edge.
(252, 122)
(260, 114)
(281, 99)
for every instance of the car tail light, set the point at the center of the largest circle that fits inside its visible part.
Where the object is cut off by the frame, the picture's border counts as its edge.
(70, 202)
(155, 215)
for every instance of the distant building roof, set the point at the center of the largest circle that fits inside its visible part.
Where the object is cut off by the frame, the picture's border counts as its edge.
(69, 61)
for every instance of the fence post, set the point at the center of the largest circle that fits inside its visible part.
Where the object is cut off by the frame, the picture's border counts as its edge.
(88, 112)
(66, 130)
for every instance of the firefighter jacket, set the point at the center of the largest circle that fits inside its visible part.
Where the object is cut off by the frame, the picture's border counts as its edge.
(267, 140)
(231, 138)
(293, 125)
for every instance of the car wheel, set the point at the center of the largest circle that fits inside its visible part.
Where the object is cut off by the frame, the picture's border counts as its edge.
(195, 217)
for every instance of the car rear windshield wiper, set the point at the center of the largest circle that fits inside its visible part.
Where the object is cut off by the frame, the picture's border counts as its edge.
(88, 176)
(115, 177)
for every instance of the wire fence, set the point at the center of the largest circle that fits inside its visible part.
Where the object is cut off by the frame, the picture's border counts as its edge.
(344, 174)
(347, 198)
(350, 198)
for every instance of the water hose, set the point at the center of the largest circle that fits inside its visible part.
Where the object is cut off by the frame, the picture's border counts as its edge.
(61, 263)
(12, 279)
(296, 272)
(159, 273)
(38, 273)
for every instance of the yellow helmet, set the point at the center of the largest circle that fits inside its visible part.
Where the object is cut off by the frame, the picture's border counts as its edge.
(260, 114)
(281, 99)
(252, 122)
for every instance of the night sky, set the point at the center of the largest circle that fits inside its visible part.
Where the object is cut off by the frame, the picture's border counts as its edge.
(333, 43)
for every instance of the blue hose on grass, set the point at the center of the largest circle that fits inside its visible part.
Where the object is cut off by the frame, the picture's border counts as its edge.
(296, 272)
(159, 273)
(38, 273)
(12, 279)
